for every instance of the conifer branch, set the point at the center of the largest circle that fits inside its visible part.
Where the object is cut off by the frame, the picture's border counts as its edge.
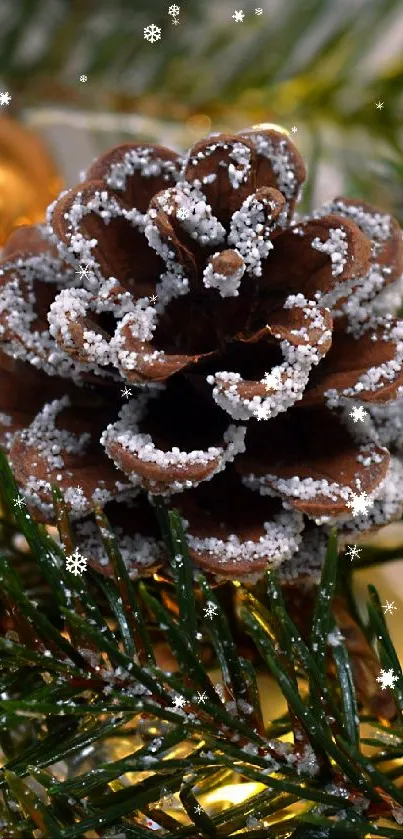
(70, 683)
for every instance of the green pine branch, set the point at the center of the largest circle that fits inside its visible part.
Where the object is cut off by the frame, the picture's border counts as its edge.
(82, 670)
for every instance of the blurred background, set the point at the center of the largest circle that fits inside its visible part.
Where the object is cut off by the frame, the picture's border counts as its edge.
(81, 74)
(81, 77)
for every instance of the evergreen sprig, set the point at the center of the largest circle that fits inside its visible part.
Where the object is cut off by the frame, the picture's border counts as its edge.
(82, 670)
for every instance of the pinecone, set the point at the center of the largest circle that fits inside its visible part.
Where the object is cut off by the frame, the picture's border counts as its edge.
(174, 328)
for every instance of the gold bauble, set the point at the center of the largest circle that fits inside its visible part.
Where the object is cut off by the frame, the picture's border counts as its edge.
(29, 180)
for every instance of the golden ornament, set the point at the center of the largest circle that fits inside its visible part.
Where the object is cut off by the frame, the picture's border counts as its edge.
(29, 180)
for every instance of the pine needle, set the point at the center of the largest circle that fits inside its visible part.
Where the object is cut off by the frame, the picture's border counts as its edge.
(82, 670)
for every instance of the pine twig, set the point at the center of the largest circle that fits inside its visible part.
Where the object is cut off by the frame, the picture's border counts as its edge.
(72, 683)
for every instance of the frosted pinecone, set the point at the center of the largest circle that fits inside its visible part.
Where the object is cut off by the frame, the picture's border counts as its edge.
(174, 331)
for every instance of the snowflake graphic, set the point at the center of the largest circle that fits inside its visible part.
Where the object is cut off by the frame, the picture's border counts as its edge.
(238, 16)
(387, 679)
(126, 392)
(174, 10)
(201, 697)
(179, 701)
(258, 11)
(360, 504)
(152, 33)
(358, 414)
(294, 129)
(83, 272)
(153, 298)
(389, 607)
(272, 380)
(79, 490)
(5, 97)
(210, 609)
(262, 412)
(76, 563)
(198, 809)
(182, 213)
(353, 552)
(379, 105)
(19, 501)
(83, 78)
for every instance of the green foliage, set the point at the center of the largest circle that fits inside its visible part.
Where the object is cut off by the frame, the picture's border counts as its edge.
(82, 673)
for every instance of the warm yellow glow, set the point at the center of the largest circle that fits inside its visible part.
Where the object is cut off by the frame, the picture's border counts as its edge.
(265, 125)
(233, 793)
(199, 124)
